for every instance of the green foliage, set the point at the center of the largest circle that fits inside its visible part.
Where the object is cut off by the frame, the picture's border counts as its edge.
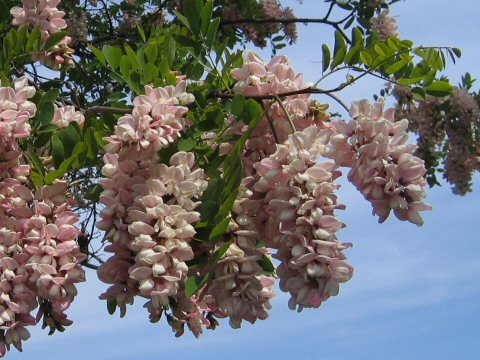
(393, 59)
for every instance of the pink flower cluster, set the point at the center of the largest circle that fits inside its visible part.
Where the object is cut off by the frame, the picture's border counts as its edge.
(149, 206)
(383, 167)
(156, 120)
(45, 15)
(300, 202)
(39, 257)
(148, 213)
(446, 127)
(148, 216)
(65, 115)
(275, 77)
(291, 200)
(384, 25)
(258, 34)
(15, 112)
(239, 285)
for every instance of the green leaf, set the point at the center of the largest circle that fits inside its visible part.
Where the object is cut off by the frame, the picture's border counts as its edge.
(357, 36)
(339, 58)
(219, 230)
(141, 31)
(113, 55)
(218, 254)
(380, 50)
(206, 16)
(54, 39)
(150, 73)
(70, 138)
(132, 57)
(214, 119)
(326, 57)
(192, 9)
(339, 50)
(397, 66)
(212, 31)
(418, 93)
(266, 264)
(89, 139)
(186, 144)
(57, 151)
(98, 54)
(238, 103)
(195, 283)
(66, 164)
(94, 193)
(182, 19)
(252, 111)
(409, 81)
(366, 58)
(111, 306)
(33, 39)
(46, 113)
(214, 190)
(51, 95)
(151, 51)
(350, 57)
(439, 88)
(36, 178)
(228, 204)
(37, 163)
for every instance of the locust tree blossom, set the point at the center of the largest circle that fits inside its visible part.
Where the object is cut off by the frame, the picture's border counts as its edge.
(39, 256)
(383, 167)
(45, 15)
(384, 25)
(149, 206)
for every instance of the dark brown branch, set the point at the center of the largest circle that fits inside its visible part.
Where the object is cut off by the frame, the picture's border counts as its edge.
(278, 20)
(308, 90)
(106, 109)
(90, 266)
(335, 24)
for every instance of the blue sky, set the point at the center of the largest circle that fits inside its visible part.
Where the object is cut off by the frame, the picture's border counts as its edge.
(415, 293)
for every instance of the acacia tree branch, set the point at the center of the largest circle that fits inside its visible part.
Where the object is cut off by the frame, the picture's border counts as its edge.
(335, 24)
(94, 110)
(90, 266)
(278, 20)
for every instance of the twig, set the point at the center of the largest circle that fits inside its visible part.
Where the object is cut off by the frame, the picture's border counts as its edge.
(105, 109)
(282, 105)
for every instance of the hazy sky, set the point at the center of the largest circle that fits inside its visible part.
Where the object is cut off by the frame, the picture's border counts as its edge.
(415, 293)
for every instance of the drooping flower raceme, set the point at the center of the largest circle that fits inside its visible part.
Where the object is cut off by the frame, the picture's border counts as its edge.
(39, 257)
(300, 199)
(45, 15)
(275, 77)
(149, 206)
(383, 167)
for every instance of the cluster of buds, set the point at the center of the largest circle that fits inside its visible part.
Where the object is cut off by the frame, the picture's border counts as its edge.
(45, 15)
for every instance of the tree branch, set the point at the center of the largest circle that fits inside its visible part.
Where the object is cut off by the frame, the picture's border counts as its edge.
(105, 109)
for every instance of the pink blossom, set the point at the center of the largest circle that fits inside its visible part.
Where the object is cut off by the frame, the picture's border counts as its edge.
(382, 165)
